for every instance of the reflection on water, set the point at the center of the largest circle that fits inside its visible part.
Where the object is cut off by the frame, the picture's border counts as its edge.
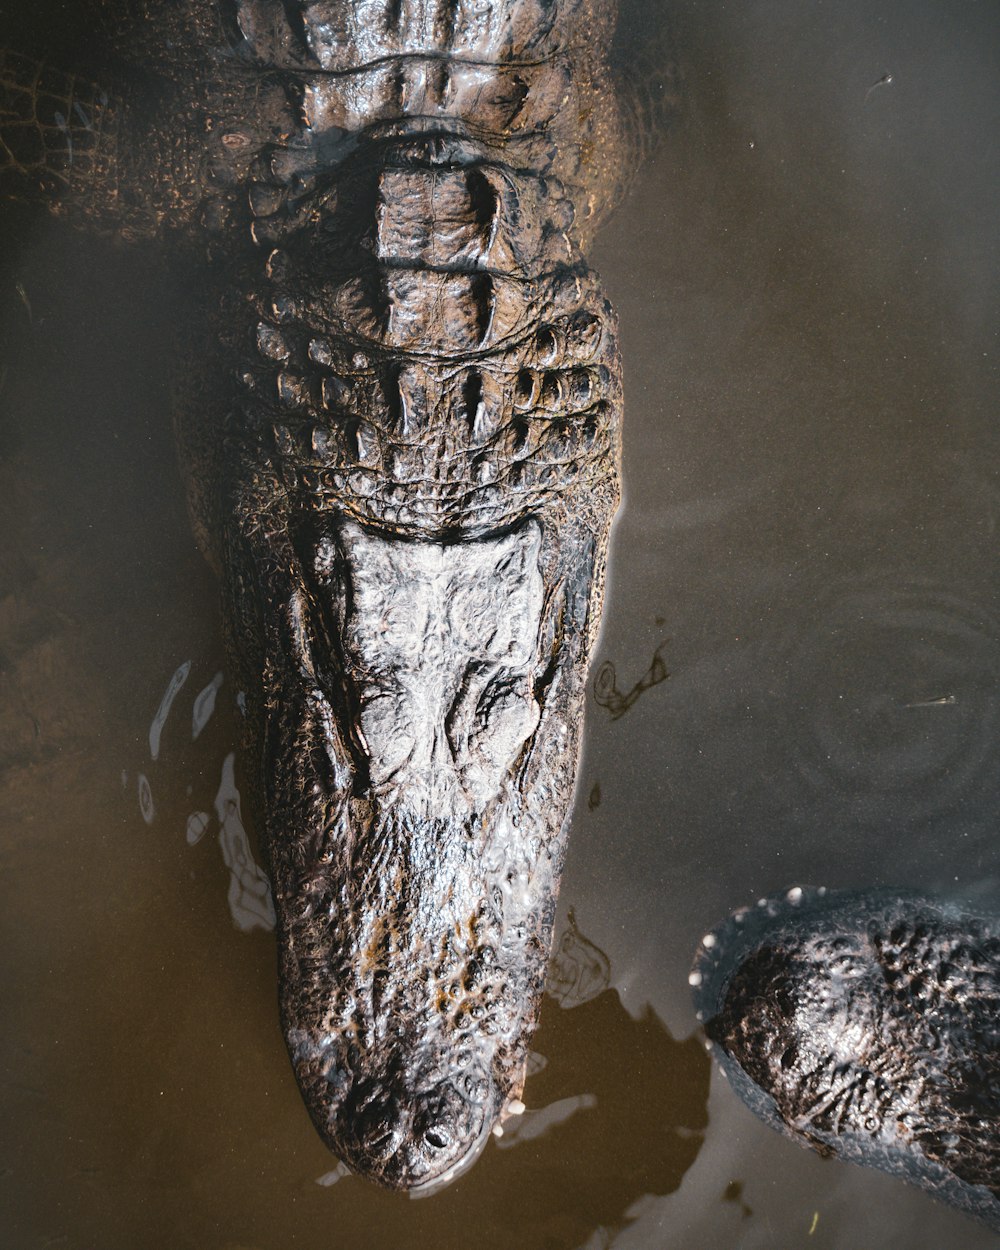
(174, 687)
(204, 706)
(631, 1109)
(578, 970)
(197, 825)
(146, 806)
(249, 894)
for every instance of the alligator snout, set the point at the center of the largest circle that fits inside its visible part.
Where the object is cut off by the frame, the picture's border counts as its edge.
(415, 1140)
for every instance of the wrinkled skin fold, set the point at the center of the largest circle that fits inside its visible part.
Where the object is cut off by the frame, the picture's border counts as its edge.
(867, 1027)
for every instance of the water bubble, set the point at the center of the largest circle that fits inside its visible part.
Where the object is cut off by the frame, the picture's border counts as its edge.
(146, 800)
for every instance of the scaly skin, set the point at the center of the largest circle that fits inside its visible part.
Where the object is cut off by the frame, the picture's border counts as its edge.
(866, 1026)
(407, 488)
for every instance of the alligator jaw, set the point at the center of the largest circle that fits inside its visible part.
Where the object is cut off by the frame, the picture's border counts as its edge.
(419, 713)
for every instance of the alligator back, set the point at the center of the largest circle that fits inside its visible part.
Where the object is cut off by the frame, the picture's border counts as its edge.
(438, 354)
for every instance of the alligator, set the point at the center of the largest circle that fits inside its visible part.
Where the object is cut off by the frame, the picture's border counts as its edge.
(866, 1026)
(399, 423)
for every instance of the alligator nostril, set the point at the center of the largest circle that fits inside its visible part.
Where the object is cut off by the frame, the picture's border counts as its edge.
(437, 1138)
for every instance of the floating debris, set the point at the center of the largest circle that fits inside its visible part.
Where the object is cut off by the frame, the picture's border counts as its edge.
(607, 694)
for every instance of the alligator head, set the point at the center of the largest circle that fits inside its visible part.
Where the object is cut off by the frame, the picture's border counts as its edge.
(415, 715)
(864, 1026)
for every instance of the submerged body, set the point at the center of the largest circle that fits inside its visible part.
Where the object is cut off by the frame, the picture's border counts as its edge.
(399, 422)
(867, 1027)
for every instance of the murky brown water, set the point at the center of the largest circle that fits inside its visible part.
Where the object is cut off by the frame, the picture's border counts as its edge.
(807, 281)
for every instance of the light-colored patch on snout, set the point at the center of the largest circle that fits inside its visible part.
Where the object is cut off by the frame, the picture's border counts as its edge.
(441, 643)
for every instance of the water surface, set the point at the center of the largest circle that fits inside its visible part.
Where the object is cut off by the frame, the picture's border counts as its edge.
(806, 274)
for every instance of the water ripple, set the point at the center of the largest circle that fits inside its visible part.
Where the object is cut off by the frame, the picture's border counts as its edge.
(896, 685)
